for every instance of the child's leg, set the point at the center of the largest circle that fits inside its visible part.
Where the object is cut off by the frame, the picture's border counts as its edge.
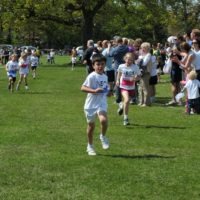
(25, 80)
(90, 131)
(197, 105)
(34, 72)
(189, 106)
(104, 125)
(126, 100)
(103, 122)
(72, 66)
(9, 83)
(12, 81)
(90, 116)
(20, 80)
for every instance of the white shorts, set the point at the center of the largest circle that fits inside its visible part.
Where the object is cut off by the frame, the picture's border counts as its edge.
(74, 60)
(24, 71)
(91, 114)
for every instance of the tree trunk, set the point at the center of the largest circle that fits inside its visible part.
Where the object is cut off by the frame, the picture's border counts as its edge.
(87, 28)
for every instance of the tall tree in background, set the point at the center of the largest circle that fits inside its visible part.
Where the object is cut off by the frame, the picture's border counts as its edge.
(58, 22)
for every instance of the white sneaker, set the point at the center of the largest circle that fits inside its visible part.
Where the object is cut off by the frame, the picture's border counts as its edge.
(91, 152)
(172, 102)
(126, 122)
(104, 142)
(26, 87)
(192, 112)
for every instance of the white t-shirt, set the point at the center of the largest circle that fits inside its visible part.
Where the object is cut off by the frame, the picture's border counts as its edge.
(128, 73)
(196, 61)
(12, 67)
(154, 66)
(24, 66)
(52, 54)
(192, 87)
(34, 61)
(96, 101)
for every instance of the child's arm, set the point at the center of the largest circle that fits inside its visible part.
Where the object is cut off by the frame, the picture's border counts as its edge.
(137, 78)
(183, 89)
(119, 74)
(90, 90)
(6, 67)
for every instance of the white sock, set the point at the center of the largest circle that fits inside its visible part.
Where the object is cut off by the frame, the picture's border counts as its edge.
(125, 117)
(90, 145)
(101, 135)
(121, 105)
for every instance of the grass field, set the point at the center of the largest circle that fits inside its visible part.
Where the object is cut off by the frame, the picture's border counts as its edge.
(43, 144)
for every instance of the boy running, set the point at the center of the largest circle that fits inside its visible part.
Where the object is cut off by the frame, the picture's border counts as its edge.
(96, 85)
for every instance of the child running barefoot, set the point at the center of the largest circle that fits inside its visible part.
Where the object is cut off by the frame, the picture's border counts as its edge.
(24, 66)
(128, 74)
(96, 85)
(11, 68)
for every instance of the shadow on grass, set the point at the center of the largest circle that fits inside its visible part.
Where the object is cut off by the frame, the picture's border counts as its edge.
(146, 156)
(162, 101)
(154, 126)
(63, 65)
(32, 92)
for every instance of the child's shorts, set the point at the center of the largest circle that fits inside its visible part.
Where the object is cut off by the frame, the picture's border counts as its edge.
(91, 114)
(130, 92)
(33, 67)
(73, 60)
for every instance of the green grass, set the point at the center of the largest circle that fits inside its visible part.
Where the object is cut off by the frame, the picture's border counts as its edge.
(43, 143)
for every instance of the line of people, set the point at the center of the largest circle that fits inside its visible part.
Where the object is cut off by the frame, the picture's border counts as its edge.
(126, 59)
(127, 66)
(184, 54)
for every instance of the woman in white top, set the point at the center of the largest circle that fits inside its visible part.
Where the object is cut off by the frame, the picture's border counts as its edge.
(145, 64)
(196, 61)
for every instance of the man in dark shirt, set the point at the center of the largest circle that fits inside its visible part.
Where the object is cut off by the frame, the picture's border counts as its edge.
(87, 56)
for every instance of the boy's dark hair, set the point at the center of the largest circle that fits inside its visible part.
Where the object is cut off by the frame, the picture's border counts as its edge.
(98, 58)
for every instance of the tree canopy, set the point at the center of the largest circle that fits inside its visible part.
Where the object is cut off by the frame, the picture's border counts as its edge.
(57, 23)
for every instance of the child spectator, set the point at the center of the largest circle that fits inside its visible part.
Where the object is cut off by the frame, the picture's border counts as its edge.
(192, 86)
(96, 85)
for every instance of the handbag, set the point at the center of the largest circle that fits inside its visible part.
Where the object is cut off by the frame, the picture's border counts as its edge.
(168, 66)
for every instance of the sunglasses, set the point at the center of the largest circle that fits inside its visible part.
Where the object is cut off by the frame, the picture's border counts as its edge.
(194, 43)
